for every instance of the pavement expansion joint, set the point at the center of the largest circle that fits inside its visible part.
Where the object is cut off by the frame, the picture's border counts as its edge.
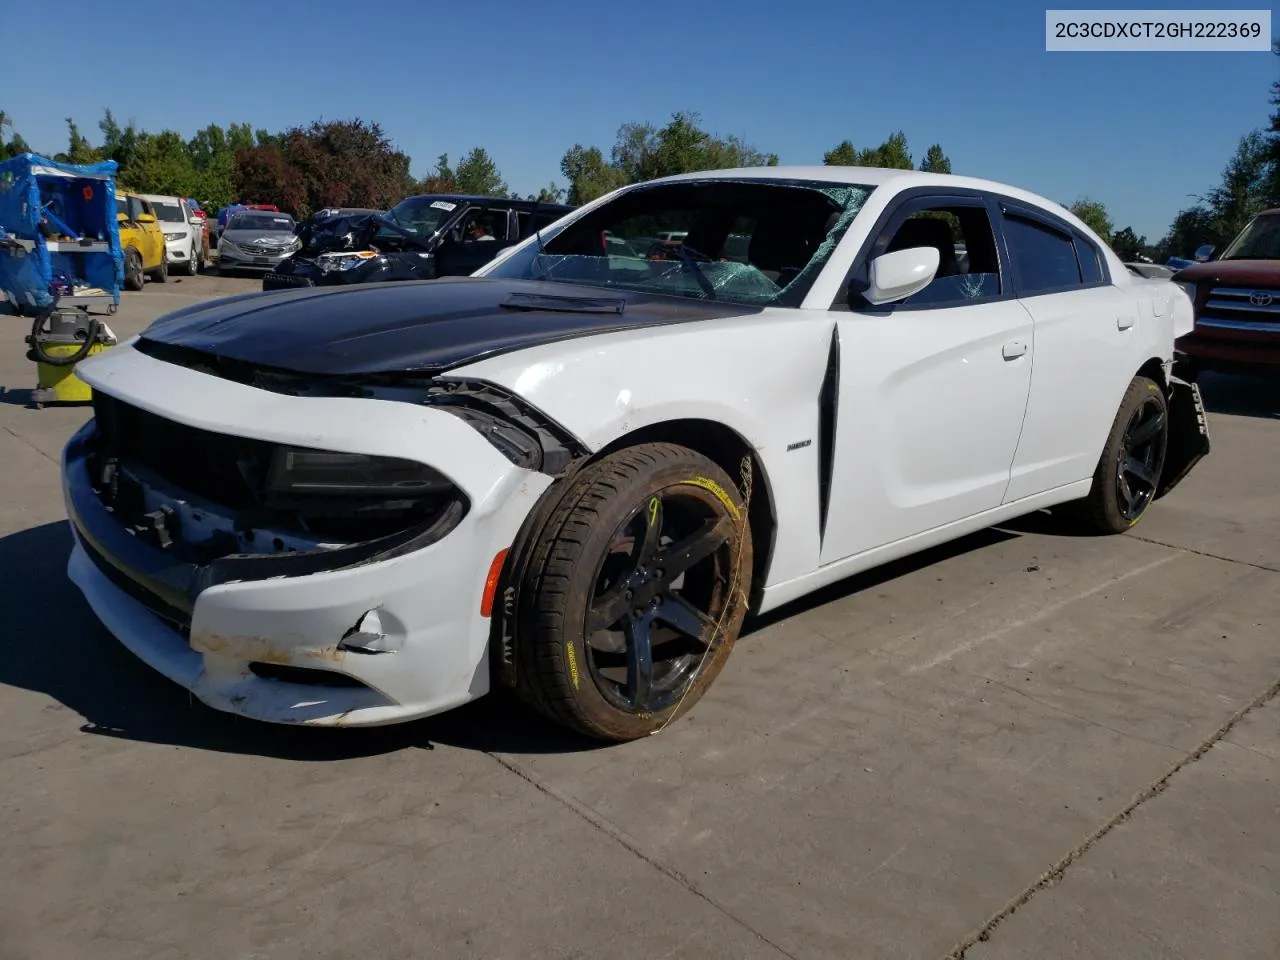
(1056, 872)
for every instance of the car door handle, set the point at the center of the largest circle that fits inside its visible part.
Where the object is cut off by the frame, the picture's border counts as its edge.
(1014, 349)
(1124, 323)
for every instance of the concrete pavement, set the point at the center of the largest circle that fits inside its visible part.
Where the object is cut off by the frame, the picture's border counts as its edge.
(1025, 744)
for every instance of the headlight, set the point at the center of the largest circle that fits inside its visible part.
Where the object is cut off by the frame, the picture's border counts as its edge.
(1190, 289)
(345, 261)
(227, 245)
(319, 472)
(174, 236)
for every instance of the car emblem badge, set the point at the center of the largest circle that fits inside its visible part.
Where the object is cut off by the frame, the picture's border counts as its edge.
(1260, 299)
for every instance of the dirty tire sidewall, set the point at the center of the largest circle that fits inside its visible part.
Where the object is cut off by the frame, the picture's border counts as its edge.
(558, 583)
(133, 276)
(1100, 511)
(161, 273)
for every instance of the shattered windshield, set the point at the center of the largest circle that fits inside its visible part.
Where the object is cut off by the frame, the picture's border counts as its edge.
(1260, 240)
(422, 216)
(738, 241)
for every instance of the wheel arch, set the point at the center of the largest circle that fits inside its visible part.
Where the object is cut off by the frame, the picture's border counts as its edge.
(1153, 369)
(725, 447)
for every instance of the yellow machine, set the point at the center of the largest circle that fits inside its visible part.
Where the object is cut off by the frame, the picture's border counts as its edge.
(59, 340)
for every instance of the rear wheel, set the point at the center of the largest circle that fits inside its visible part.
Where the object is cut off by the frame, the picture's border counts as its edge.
(636, 591)
(193, 259)
(133, 276)
(1128, 472)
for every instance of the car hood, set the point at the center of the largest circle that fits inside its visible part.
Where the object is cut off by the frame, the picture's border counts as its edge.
(1259, 272)
(419, 326)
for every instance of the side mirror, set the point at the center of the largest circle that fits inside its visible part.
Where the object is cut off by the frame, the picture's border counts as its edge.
(1204, 253)
(122, 218)
(898, 275)
(146, 218)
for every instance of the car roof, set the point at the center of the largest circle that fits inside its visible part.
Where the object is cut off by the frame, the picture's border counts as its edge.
(479, 198)
(876, 177)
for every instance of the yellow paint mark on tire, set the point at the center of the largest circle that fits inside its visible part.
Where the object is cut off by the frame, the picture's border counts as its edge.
(720, 493)
(573, 665)
(653, 511)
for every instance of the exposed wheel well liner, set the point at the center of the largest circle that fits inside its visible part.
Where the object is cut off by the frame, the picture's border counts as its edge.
(726, 447)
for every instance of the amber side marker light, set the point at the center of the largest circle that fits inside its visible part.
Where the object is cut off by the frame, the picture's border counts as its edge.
(491, 583)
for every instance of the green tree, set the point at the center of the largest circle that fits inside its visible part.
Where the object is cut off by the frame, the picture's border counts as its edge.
(440, 179)
(478, 174)
(1243, 189)
(1127, 244)
(1094, 215)
(935, 161)
(892, 153)
(78, 148)
(843, 154)
(589, 175)
(548, 194)
(13, 144)
(161, 164)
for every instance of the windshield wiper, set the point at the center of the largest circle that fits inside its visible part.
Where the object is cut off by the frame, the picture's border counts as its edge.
(550, 302)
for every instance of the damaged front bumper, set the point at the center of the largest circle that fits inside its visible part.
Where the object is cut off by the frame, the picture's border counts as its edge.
(1188, 441)
(356, 634)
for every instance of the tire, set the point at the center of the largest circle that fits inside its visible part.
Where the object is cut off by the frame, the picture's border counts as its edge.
(595, 559)
(1128, 471)
(161, 273)
(133, 276)
(193, 260)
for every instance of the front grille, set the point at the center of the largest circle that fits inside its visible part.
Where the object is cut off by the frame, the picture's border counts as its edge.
(220, 468)
(1242, 308)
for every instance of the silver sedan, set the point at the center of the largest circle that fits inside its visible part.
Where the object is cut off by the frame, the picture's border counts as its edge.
(256, 240)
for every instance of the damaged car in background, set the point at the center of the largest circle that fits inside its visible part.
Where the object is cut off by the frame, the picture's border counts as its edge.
(574, 473)
(420, 238)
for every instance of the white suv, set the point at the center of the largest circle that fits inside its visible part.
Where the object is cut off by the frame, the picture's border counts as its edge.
(183, 234)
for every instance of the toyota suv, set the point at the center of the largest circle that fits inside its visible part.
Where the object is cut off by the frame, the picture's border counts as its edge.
(1237, 302)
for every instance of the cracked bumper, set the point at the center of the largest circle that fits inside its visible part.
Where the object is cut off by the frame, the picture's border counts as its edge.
(206, 637)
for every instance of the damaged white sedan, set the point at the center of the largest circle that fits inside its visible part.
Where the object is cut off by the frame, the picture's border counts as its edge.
(576, 472)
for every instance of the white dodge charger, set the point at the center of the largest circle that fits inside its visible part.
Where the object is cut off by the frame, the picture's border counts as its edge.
(577, 471)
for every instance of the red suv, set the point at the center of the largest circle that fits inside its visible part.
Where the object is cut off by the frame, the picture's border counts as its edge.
(1237, 302)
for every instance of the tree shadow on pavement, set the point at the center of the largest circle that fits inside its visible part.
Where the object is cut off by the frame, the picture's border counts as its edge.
(52, 644)
(1240, 395)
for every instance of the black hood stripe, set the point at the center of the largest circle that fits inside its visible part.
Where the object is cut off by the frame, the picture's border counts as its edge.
(417, 326)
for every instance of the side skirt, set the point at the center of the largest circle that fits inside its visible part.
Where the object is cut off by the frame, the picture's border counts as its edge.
(780, 593)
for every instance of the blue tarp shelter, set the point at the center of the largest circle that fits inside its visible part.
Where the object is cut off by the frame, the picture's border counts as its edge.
(58, 223)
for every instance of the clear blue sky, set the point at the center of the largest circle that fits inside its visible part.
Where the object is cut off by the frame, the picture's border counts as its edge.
(1138, 131)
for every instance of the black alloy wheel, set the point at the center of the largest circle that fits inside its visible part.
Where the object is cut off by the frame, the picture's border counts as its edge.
(633, 594)
(1141, 456)
(659, 594)
(1128, 471)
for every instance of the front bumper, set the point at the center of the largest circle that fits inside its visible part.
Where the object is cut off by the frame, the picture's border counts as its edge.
(179, 250)
(216, 630)
(238, 259)
(1221, 344)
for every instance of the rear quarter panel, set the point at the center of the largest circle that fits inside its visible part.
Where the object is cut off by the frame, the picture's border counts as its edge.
(758, 375)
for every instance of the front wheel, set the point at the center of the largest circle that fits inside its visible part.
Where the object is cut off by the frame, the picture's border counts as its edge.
(1128, 472)
(161, 273)
(133, 275)
(193, 260)
(636, 592)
